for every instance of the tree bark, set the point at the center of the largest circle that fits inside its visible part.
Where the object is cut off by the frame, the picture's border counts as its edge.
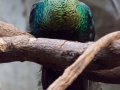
(58, 54)
(8, 30)
(71, 73)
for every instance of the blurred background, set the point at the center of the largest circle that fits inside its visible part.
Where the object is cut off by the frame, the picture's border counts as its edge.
(25, 76)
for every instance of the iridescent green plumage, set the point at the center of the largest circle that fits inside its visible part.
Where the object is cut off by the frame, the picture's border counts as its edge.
(61, 19)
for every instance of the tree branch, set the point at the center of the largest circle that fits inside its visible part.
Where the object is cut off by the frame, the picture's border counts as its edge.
(56, 54)
(59, 54)
(8, 30)
(72, 72)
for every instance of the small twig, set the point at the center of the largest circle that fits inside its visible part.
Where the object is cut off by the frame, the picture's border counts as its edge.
(72, 72)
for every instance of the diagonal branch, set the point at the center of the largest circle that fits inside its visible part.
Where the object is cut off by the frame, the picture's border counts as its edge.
(72, 72)
(58, 54)
(49, 53)
(8, 30)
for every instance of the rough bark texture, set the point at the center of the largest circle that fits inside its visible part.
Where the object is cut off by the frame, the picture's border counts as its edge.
(59, 54)
(9, 30)
(72, 72)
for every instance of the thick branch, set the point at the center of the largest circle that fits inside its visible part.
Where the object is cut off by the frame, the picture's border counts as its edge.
(72, 72)
(58, 54)
(105, 67)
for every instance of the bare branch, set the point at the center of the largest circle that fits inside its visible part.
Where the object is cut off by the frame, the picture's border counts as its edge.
(8, 30)
(72, 72)
(58, 54)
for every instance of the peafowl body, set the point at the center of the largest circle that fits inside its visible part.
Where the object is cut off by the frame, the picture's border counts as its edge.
(61, 19)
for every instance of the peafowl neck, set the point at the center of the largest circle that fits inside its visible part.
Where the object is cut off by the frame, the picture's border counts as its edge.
(61, 14)
(61, 3)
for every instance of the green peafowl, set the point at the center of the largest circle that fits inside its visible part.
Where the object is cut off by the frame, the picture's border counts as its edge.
(61, 19)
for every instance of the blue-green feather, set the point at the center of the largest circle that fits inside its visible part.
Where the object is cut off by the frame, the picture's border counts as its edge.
(36, 18)
(61, 19)
(51, 21)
